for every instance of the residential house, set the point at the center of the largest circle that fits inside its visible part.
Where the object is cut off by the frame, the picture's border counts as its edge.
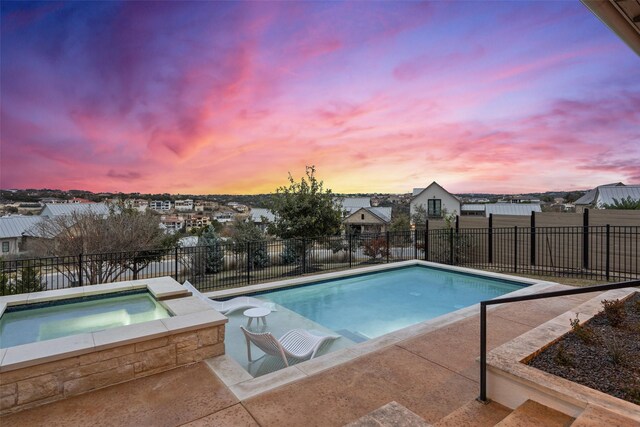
(12, 232)
(55, 210)
(79, 200)
(486, 209)
(238, 207)
(360, 217)
(140, 205)
(224, 216)
(435, 200)
(205, 205)
(160, 205)
(261, 218)
(368, 220)
(196, 221)
(606, 195)
(171, 223)
(183, 205)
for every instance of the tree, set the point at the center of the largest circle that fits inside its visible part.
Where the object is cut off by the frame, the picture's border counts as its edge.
(124, 240)
(249, 241)
(400, 223)
(419, 216)
(210, 258)
(573, 196)
(624, 203)
(304, 209)
(28, 280)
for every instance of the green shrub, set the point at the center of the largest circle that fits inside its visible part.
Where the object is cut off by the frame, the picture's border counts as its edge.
(614, 311)
(582, 332)
(563, 357)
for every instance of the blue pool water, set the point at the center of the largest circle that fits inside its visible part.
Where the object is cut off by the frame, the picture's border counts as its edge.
(368, 306)
(40, 322)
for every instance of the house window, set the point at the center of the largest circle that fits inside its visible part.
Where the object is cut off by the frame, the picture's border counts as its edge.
(434, 208)
(361, 216)
(5, 246)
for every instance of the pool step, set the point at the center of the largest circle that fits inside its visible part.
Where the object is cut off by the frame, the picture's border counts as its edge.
(533, 414)
(354, 336)
(476, 414)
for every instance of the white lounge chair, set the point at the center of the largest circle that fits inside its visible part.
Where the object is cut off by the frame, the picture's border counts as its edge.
(239, 303)
(297, 343)
(234, 304)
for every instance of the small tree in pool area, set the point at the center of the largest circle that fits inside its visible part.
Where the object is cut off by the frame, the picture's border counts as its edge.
(212, 260)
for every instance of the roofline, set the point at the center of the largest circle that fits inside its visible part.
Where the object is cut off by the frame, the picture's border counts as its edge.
(617, 21)
(371, 212)
(443, 189)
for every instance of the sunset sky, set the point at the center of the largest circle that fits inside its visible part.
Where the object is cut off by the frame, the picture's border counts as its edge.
(227, 97)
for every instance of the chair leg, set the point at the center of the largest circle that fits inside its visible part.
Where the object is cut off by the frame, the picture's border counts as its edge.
(249, 350)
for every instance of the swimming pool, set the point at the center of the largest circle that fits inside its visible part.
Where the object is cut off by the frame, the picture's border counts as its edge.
(367, 306)
(27, 323)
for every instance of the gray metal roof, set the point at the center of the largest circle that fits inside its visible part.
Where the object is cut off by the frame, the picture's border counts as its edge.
(14, 226)
(383, 213)
(258, 213)
(511, 208)
(53, 210)
(606, 195)
(417, 191)
(354, 202)
(473, 207)
(590, 196)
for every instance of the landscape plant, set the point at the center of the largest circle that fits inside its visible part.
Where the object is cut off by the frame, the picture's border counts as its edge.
(249, 241)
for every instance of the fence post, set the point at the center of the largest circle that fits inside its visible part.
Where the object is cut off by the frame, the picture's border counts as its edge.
(451, 246)
(350, 248)
(426, 240)
(175, 263)
(304, 256)
(415, 243)
(515, 249)
(608, 265)
(585, 239)
(387, 247)
(533, 238)
(80, 269)
(490, 239)
(135, 267)
(248, 263)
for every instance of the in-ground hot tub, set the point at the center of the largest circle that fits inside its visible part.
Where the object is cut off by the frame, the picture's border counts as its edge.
(27, 323)
(56, 344)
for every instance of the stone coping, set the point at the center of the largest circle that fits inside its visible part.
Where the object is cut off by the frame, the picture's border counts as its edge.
(511, 381)
(244, 386)
(261, 287)
(160, 287)
(189, 313)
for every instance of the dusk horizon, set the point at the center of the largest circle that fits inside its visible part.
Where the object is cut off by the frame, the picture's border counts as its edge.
(228, 98)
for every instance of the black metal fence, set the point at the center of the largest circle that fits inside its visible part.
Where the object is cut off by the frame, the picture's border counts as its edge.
(602, 253)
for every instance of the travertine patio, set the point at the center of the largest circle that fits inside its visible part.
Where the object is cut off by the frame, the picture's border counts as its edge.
(432, 374)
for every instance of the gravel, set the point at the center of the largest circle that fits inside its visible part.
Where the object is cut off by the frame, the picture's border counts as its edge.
(608, 360)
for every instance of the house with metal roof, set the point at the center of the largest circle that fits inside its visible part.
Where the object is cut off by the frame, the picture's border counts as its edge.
(607, 194)
(368, 220)
(262, 217)
(486, 209)
(55, 210)
(12, 229)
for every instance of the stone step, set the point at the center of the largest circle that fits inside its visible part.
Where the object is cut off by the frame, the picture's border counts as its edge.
(533, 414)
(392, 414)
(476, 414)
(595, 416)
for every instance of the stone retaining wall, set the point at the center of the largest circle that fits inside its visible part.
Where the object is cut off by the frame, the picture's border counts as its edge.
(28, 387)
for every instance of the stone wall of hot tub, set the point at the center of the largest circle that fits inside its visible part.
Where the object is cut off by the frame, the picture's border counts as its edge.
(41, 372)
(47, 382)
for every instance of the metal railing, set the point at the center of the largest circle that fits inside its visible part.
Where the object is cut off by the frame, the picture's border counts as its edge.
(483, 318)
(596, 252)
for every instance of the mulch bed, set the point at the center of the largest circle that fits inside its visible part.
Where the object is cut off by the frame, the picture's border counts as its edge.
(607, 360)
